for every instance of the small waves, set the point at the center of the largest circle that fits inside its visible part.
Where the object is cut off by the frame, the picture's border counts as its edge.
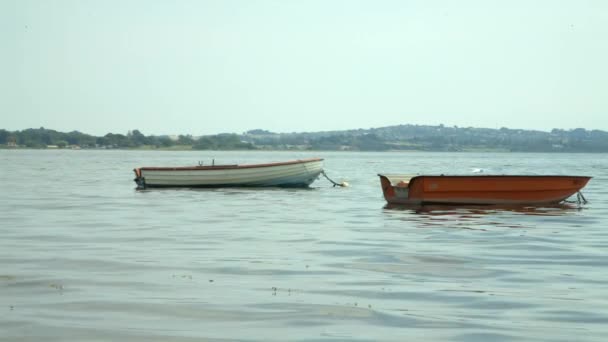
(86, 257)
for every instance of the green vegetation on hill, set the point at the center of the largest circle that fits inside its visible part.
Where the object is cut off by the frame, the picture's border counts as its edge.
(437, 138)
(402, 137)
(46, 138)
(222, 142)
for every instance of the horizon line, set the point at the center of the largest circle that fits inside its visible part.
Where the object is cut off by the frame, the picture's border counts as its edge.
(319, 131)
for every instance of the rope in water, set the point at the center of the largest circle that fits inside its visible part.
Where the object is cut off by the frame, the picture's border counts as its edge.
(343, 184)
(580, 199)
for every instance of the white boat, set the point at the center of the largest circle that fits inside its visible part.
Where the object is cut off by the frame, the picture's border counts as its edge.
(295, 173)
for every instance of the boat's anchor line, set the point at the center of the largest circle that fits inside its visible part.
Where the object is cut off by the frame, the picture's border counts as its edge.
(580, 198)
(343, 184)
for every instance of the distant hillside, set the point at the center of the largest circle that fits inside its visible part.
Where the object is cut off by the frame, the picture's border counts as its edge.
(401, 137)
(436, 138)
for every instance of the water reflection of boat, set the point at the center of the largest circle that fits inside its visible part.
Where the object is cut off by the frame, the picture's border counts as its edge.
(296, 173)
(439, 210)
(477, 189)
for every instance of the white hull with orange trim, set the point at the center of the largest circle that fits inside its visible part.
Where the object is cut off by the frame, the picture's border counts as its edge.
(296, 173)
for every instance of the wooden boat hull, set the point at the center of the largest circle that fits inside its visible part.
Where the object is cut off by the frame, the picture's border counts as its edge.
(486, 189)
(296, 173)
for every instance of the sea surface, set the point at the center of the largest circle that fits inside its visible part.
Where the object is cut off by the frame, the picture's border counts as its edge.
(86, 257)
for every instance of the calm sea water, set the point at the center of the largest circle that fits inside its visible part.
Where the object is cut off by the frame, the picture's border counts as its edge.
(85, 257)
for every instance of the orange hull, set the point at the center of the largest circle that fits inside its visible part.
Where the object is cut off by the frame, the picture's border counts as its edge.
(500, 189)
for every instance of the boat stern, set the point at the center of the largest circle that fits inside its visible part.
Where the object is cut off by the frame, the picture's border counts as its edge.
(387, 188)
(139, 179)
(396, 188)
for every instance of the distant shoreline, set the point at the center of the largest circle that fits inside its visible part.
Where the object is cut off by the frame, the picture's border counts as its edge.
(161, 149)
(408, 138)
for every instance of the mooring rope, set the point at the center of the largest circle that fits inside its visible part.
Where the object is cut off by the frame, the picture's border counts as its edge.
(343, 184)
(579, 197)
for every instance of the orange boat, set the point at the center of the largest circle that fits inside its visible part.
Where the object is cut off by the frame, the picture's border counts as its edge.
(478, 189)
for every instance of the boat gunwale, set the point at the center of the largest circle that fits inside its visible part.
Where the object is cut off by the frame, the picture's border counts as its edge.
(229, 167)
(411, 178)
(395, 175)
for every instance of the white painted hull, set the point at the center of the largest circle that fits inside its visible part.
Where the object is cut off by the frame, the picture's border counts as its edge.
(299, 173)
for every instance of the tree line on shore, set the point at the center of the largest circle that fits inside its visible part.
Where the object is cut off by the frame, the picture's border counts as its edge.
(401, 137)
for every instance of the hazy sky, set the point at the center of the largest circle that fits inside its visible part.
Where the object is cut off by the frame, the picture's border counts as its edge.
(204, 67)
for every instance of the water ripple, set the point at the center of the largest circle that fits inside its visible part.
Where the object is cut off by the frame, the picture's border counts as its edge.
(84, 256)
